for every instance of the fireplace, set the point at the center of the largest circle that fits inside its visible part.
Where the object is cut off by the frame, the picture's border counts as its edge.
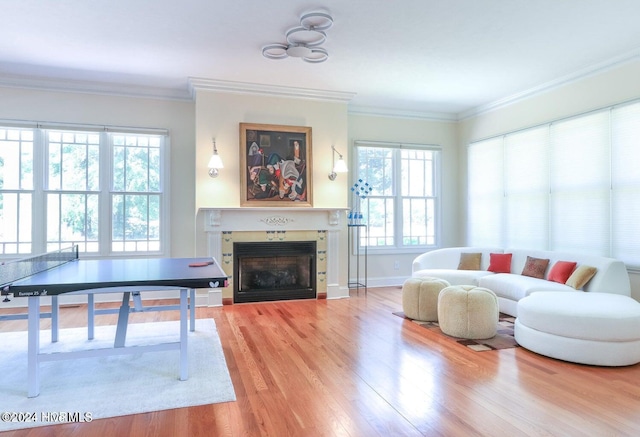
(223, 227)
(274, 270)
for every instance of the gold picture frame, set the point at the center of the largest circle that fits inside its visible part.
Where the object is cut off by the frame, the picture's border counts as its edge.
(275, 162)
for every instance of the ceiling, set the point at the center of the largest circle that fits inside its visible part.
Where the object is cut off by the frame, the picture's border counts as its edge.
(423, 56)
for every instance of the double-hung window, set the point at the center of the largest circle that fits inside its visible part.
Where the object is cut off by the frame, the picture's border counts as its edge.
(16, 190)
(72, 189)
(400, 205)
(136, 199)
(99, 189)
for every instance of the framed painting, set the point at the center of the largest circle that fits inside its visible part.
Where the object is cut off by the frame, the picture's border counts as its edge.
(275, 165)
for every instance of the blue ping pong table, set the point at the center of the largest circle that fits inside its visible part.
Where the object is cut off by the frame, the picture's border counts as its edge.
(127, 276)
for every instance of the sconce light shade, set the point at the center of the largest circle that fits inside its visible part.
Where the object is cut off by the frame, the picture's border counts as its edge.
(215, 162)
(338, 166)
(341, 166)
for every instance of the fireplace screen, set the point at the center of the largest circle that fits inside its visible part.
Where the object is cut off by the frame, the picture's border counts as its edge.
(265, 271)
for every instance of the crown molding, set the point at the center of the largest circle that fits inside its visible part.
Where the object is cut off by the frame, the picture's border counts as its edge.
(93, 87)
(198, 84)
(570, 78)
(195, 84)
(402, 113)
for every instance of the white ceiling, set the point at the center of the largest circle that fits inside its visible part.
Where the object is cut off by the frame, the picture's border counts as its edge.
(427, 56)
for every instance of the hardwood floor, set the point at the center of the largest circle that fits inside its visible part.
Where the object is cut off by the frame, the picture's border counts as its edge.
(350, 368)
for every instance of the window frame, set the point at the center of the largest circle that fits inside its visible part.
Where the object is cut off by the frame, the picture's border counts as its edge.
(105, 192)
(21, 190)
(398, 246)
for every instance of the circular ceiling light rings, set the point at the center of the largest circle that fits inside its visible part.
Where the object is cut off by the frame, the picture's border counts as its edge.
(316, 20)
(303, 41)
(316, 56)
(275, 51)
(298, 51)
(308, 37)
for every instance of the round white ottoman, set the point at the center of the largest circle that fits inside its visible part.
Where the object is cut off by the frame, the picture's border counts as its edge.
(601, 329)
(467, 311)
(420, 298)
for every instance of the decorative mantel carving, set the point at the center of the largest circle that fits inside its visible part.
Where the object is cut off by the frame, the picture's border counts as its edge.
(214, 217)
(277, 220)
(250, 219)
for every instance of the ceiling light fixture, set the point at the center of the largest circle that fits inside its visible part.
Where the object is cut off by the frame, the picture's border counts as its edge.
(303, 41)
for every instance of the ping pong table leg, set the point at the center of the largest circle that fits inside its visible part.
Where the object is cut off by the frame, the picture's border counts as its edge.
(184, 359)
(137, 301)
(192, 308)
(91, 315)
(33, 347)
(54, 318)
(123, 320)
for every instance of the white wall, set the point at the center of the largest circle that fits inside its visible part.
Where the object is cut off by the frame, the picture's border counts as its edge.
(616, 85)
(219, 114)
(375, 128)
(84, 108)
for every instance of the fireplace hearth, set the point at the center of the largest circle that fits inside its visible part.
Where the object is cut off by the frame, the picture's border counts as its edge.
(274, 270)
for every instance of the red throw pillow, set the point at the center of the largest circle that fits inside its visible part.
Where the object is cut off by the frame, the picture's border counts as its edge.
(500, 262)
(561, 271)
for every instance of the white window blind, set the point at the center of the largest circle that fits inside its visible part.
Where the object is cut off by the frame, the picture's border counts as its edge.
(625, 199)
(526, 171)
(486, 193)
(580, 171)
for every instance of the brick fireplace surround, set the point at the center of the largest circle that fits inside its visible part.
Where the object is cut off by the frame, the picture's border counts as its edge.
(224, 226)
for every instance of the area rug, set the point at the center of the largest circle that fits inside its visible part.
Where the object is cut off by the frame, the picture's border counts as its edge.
(502, 340)
(116, 385)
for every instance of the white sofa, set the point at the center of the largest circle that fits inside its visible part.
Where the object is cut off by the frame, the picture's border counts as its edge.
(601, 329)
(611, 275)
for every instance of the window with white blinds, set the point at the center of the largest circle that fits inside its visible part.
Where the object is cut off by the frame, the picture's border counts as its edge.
(570, 185)
(526, 173)
(579, 188)
(625, 183)
(485, 175)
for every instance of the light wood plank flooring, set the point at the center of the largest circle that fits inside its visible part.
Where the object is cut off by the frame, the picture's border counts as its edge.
(350, 368)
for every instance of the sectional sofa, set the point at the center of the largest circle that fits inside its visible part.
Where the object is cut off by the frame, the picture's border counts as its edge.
(501, 270)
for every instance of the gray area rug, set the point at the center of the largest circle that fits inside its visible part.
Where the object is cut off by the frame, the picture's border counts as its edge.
(114, 385)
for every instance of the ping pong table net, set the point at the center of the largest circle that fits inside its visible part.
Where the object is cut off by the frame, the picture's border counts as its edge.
(13, 271)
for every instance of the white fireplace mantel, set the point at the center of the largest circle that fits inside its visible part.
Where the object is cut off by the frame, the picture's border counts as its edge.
(331, 220)
(257, 219)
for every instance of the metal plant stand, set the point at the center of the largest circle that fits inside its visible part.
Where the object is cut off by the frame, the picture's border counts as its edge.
(359, 267)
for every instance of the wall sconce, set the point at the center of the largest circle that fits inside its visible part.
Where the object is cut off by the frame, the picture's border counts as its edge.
(215, 162)
(337, 167)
